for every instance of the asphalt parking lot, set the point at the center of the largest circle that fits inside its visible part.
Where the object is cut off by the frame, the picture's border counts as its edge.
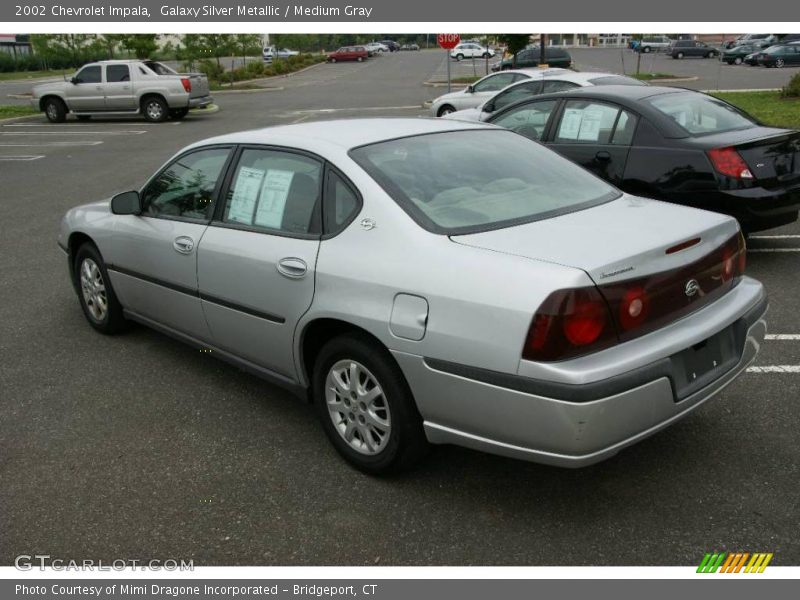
(137, 446)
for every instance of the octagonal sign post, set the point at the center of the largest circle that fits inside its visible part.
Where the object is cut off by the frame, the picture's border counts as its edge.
(448, 41)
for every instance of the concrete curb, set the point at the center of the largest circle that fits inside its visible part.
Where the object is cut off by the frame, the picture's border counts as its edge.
(22, 118)
(280, 76)
(249, 91)
(438, 84)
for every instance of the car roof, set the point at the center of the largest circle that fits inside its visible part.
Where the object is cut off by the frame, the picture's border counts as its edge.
(622, 94)
(317, 136)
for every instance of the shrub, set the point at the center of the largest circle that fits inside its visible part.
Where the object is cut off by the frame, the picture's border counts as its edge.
(792, 89)
(211, 69)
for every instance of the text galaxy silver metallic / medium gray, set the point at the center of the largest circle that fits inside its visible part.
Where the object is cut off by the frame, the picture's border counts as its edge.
(428, 281)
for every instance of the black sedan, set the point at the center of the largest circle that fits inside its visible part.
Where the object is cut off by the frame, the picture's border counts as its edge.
(530, 57)
(671, 144)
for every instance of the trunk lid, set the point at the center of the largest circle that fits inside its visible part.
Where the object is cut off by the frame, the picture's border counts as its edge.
(773, 155)
(652, 262)
(200, 86)
(623, 239)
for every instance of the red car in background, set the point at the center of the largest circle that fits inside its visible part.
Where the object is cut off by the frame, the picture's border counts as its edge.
(358, 53)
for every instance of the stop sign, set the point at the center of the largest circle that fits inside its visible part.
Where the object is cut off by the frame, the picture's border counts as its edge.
(448, 41)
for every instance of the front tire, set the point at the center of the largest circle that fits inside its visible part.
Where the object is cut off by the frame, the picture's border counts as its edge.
(459, 57)
(155, 109)
(366, 407)
(360, 59)
(737, 61)
(55, 110)
(779, 63)
(97, 298)
(646, 49)
(679, 55)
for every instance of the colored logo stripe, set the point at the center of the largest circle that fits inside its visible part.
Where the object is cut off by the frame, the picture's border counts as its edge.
(734, 562)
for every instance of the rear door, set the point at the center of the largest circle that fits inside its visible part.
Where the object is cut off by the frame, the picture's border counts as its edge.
(257, 260)
(118, 88)
(597, 135)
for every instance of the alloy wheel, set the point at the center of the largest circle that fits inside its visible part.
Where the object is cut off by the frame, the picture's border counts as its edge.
(154, 110)
(357, 407)
(93, 289)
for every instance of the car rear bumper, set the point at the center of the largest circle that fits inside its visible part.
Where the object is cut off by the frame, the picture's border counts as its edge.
(201, 101)
(492, 417)
(761, 208)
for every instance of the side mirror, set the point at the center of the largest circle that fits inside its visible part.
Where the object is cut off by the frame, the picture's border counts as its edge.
(74, 80)
(470, 89)
(488, 107)
(126, 203)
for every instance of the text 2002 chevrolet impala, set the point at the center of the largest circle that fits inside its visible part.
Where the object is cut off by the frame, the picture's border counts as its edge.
(429, 281)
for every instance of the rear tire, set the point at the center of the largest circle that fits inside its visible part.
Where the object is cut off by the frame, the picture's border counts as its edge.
(360, 59)
(779, 63)
(459, 57)
(55, 110)
(361, 394)
(646, 49)
(737, 61)
(333, 60)
(445, 110)
(679, 55)
(154, 109)
(95, 294)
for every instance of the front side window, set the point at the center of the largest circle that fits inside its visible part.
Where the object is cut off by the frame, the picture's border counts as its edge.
(518, 92)
(558, 86)
(529, 120)
(466, 181)
(494, 83)
(186, 187)
(276, 191)
(89, 75)
(587, 122)
(700, 114)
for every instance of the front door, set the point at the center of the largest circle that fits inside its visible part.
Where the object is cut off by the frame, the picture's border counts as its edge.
(85, 93)
(256, 261)
(154, 261)
(595, 135)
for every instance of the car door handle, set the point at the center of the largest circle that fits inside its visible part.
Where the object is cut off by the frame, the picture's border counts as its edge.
(602, 156)
(183, 244)
(292, 267)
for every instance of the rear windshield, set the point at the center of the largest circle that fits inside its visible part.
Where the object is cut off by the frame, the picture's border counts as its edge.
(159, 68)
(467, 181)
(699, 114)
(616, 80)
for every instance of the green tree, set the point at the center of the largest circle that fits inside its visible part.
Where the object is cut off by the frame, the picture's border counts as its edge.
(515, 43)
(142, 45)
(111, 41)
(247, 43)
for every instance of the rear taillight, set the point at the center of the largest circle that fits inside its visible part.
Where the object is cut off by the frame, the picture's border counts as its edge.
(727, 162)
(187, 84)
(574, 322)
(569, 323)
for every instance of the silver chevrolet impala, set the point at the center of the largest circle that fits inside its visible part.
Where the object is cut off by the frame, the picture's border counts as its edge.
(428, 282)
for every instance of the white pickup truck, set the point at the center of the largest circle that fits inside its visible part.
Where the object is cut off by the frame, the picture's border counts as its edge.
(123, 87)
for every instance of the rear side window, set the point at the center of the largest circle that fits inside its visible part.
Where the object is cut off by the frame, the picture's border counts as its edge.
(590, 122)
(275, 191)
(558, 86)
(117, 73)
(518, 92)
(341, 204)
(529, 120)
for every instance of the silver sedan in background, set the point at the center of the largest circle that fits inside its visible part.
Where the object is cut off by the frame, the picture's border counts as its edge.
(428, 281)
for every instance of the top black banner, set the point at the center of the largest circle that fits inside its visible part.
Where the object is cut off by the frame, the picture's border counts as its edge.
(423, 11)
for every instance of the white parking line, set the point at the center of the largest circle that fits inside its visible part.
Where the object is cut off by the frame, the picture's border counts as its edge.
(774, 237)
(110, 132)
(59, 144)
(782, 336)
(21, 157)
(775, 369)
(333, 110)
(773, 250)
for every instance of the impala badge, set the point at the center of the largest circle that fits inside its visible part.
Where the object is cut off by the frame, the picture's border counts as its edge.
(691, 288)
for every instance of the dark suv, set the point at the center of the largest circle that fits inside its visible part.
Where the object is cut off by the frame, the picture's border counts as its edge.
(554, 57)
(683, 48)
